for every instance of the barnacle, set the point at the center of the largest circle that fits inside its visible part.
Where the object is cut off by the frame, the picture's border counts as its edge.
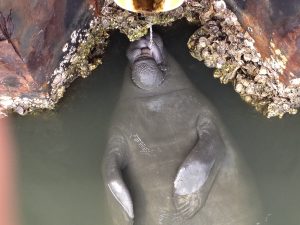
(220, 41)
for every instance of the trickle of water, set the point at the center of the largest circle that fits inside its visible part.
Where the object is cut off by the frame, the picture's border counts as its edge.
(151, 36)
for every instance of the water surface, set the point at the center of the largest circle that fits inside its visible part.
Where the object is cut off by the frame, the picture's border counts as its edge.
(60, 151)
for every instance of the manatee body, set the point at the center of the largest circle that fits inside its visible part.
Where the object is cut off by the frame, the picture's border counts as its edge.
(168, 160)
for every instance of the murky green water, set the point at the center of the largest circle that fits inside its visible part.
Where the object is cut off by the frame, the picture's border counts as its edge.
(60, 151)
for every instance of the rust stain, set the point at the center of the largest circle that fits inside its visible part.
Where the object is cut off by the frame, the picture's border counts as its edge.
(284, 34)
(148, 5)
(15, 78)
(256, 21)
(31, 38)
(97, 5)
(288, 41)
(7, 29)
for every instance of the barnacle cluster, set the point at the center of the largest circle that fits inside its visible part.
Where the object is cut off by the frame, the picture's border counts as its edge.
(22, 105)
(220, 42)
(86, 46)
(82, 55)
(223, 44)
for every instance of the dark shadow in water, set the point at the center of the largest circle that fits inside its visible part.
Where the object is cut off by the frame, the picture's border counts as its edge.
(60, 151)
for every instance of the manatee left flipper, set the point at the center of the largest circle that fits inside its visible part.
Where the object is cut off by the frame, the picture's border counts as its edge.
(197, 173)
(114, 162)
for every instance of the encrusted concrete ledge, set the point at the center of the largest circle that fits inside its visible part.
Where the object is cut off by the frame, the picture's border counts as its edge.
(221, 42)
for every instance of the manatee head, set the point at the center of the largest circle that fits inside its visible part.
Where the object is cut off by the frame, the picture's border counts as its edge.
(147, 62)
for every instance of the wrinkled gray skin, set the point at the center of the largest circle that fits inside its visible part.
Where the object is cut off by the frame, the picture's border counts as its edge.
(168, 161)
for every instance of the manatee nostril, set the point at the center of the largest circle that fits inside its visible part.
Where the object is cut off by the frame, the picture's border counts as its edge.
(145, 51)
(141, 43)
(143, 48)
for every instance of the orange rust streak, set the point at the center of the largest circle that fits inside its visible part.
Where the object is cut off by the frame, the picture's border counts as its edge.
(288, 46)
(11, 66)
(257, 18)
(148, 6)
(262, 41)
(96, 5)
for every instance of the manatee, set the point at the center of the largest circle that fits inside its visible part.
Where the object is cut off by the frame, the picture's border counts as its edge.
(169, 160)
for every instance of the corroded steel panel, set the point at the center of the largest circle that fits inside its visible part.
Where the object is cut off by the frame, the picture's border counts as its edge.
(32, 34)
(275, 26)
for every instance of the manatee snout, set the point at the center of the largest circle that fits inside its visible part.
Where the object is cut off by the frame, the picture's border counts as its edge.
(147, 61)
(142, 49)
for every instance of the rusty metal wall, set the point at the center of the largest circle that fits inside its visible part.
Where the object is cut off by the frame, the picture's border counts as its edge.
(275, 26)
(31, 49)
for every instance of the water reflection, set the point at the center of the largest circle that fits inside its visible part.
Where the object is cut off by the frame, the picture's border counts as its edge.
(60, 151)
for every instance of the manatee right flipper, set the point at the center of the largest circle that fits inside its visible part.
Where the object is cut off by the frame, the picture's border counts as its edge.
(197, 173)
(114, 162)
